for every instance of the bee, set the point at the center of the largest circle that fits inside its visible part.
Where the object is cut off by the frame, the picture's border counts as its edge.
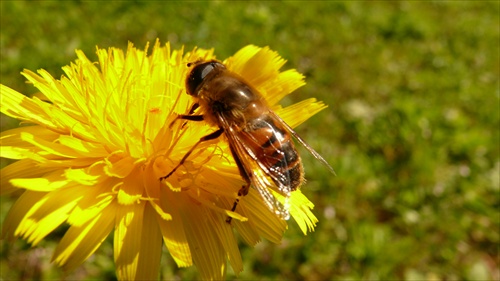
(259, 140)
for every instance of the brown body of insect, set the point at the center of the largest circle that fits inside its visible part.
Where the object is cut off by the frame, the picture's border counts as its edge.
(260, 141)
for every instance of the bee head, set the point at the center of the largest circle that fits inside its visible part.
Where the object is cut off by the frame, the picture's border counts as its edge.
(198, 74)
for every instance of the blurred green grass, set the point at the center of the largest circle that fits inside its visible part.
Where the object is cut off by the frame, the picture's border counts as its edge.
(412, 127)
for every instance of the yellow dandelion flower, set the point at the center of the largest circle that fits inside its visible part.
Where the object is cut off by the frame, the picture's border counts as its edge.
(99, 139)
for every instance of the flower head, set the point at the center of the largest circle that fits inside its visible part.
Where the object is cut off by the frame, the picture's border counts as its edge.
(98, 140)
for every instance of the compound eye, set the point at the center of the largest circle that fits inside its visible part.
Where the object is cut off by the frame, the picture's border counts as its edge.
(197, 75)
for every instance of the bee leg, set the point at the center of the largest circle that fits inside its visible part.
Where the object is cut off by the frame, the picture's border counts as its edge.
(190, 113)
(208, 137)
(193, 108)
(191, 117)
(242, 192)
(245, 188)
(187, 117)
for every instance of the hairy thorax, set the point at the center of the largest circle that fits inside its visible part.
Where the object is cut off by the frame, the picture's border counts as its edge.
(234, 101)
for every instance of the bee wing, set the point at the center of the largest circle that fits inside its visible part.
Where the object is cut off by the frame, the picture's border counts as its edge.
(303, 143)
(257, 172)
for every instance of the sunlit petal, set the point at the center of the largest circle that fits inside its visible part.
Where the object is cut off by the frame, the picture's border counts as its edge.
(150, 248)
(127, 239)
(81, 240)
(47, 213)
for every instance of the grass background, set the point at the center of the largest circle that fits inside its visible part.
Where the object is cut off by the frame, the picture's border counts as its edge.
(412, 127)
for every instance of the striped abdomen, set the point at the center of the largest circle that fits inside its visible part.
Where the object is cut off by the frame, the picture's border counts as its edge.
(273, 147)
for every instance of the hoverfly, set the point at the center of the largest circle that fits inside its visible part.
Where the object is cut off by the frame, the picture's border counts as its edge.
(260, 141)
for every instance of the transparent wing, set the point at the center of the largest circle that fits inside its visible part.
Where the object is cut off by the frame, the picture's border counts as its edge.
(263, 177)
(303, 143)
(273, 150)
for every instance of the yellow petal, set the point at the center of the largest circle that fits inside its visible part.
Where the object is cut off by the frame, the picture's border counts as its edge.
(45, 184)
(260, 68)
(36, 111)
(150, 247)
(120, 168)
(226, 237)
(247, 231)
(284, 84)
(296, 114)
(94, 200)
(81, 241)
(20, 169)
(49, 147)
(21, 107)
(131, 189)
(208, 253)
(84, 148)
(172, 230)
(54, 91)
(267, 224)
(152, 187)
(18, 211)
(256, 65)
(46, 214)
(14, 147)
(127, 239)
(81, 176)
(12, 137)
(301, 211)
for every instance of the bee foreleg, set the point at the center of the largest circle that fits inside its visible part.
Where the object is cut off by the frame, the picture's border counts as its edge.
(191, 117)
(242, 192)
(208, 137)
(244, 189)
(193, 108)
(188, 116)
